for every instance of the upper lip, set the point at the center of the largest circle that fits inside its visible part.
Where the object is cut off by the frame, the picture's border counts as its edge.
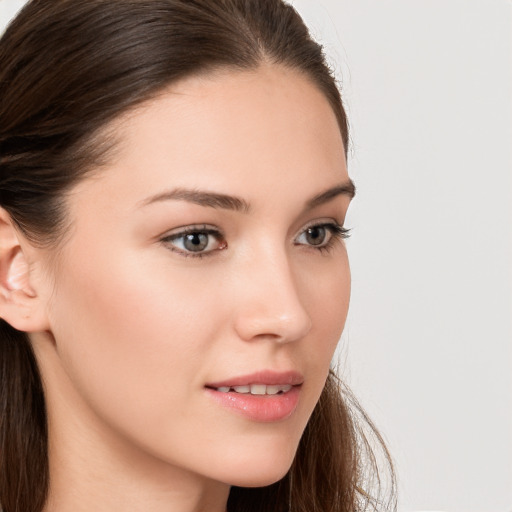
(267, 377)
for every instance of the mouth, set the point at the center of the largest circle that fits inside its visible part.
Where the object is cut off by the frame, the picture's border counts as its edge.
(262, 396)
(255, 389)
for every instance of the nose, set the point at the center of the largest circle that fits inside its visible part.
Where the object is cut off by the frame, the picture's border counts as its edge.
(268, 302)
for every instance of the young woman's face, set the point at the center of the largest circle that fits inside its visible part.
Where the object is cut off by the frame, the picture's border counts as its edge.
(198, 300)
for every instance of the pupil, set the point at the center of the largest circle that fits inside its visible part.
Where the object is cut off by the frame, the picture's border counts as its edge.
(196, 241)
(316, 235)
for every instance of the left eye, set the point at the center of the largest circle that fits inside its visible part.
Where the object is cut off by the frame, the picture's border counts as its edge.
(321, 235)
(315, 235)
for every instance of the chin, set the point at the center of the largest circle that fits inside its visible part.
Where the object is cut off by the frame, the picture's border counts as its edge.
(260, 469)
(260, 478)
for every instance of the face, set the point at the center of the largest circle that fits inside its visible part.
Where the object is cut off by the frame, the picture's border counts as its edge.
(198, 300)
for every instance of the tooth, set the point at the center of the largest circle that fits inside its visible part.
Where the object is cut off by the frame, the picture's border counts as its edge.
(286, 388)
(223, 389)
(258, 389)
(242, 389)
(273, 390)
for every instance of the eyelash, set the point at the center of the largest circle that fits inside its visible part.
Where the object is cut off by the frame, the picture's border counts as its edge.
(337, 233)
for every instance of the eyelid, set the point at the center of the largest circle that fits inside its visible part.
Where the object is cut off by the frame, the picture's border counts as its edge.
(327, 222)
(192, 228)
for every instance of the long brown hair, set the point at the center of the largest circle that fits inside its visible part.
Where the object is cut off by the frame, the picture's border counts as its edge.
(68, 68)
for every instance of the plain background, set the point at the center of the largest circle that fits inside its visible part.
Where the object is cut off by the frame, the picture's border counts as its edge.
(428, 343)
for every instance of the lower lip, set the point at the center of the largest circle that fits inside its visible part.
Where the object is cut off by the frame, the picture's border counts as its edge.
(263, 408)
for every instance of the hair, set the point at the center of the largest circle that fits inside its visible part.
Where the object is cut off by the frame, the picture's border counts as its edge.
(67, 69)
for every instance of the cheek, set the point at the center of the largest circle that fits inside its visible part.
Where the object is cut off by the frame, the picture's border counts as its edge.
(326, 296)
(128, 334)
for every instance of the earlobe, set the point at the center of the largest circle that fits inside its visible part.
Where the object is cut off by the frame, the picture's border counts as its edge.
(19, 303)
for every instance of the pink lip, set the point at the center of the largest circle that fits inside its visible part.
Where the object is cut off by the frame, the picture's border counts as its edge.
(260, 408)
(267, 377)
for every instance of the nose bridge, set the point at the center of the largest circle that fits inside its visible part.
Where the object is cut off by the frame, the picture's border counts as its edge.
(269, 302)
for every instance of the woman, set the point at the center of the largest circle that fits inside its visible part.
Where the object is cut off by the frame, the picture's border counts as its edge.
(174, 281)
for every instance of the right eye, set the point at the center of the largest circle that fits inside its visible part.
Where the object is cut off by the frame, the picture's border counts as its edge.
(195, 241)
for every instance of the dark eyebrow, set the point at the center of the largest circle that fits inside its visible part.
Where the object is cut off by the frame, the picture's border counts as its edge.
(348, 188)
(202, 198)
(227, 202)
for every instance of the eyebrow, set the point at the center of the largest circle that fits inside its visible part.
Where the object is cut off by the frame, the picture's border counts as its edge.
(237, 204)
(346, 189)
(202, 198)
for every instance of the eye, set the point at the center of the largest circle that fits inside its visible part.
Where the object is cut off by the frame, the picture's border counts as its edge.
(195, 241)
(316, 235)
(321, 236)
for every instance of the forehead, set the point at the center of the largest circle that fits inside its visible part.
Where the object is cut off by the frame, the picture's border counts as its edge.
(239, 132)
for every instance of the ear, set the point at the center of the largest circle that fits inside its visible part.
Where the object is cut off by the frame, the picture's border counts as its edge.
(20, 304)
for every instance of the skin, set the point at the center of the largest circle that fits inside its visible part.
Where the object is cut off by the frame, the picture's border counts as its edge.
(135, 328)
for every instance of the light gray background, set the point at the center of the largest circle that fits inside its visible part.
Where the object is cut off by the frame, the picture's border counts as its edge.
(428, 342)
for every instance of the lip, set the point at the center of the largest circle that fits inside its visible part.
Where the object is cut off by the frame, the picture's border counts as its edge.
(259, 408)
(267, 377)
